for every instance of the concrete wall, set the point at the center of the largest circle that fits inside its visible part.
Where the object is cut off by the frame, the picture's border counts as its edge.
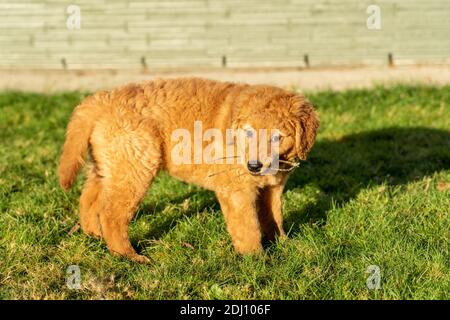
(124, 34)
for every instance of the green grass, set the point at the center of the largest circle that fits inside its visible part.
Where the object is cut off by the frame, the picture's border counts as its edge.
(373, 192)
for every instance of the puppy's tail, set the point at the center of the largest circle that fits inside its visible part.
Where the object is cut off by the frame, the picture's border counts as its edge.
(78, 133)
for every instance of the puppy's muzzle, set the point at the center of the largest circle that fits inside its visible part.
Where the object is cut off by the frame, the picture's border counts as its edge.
(254, 166)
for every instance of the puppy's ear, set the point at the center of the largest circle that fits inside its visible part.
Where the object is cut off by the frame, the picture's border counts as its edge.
(306, 125)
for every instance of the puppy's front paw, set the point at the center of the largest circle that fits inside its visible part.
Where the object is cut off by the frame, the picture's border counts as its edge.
(141, 259)
(248, 248)
(132, 255)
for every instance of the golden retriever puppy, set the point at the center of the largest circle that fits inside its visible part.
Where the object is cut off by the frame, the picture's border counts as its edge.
(199, 131)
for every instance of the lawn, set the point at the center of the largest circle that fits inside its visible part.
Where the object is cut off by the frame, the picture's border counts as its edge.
(374, 192)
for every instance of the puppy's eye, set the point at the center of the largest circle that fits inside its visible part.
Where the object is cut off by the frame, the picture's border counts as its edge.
(249, 133)
(275, 138)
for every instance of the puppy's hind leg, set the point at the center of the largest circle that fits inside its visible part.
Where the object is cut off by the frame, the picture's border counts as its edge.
(128, 167)
(89, 205)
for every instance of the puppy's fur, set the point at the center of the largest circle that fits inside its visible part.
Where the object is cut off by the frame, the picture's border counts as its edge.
(128, 132)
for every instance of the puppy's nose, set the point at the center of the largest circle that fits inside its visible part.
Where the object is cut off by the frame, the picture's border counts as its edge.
(254, 166)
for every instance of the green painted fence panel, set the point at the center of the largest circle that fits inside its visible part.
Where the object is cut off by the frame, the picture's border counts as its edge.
(200, 33)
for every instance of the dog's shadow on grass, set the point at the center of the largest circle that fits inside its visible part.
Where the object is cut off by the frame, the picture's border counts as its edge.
(339, 169)
(166, 213)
